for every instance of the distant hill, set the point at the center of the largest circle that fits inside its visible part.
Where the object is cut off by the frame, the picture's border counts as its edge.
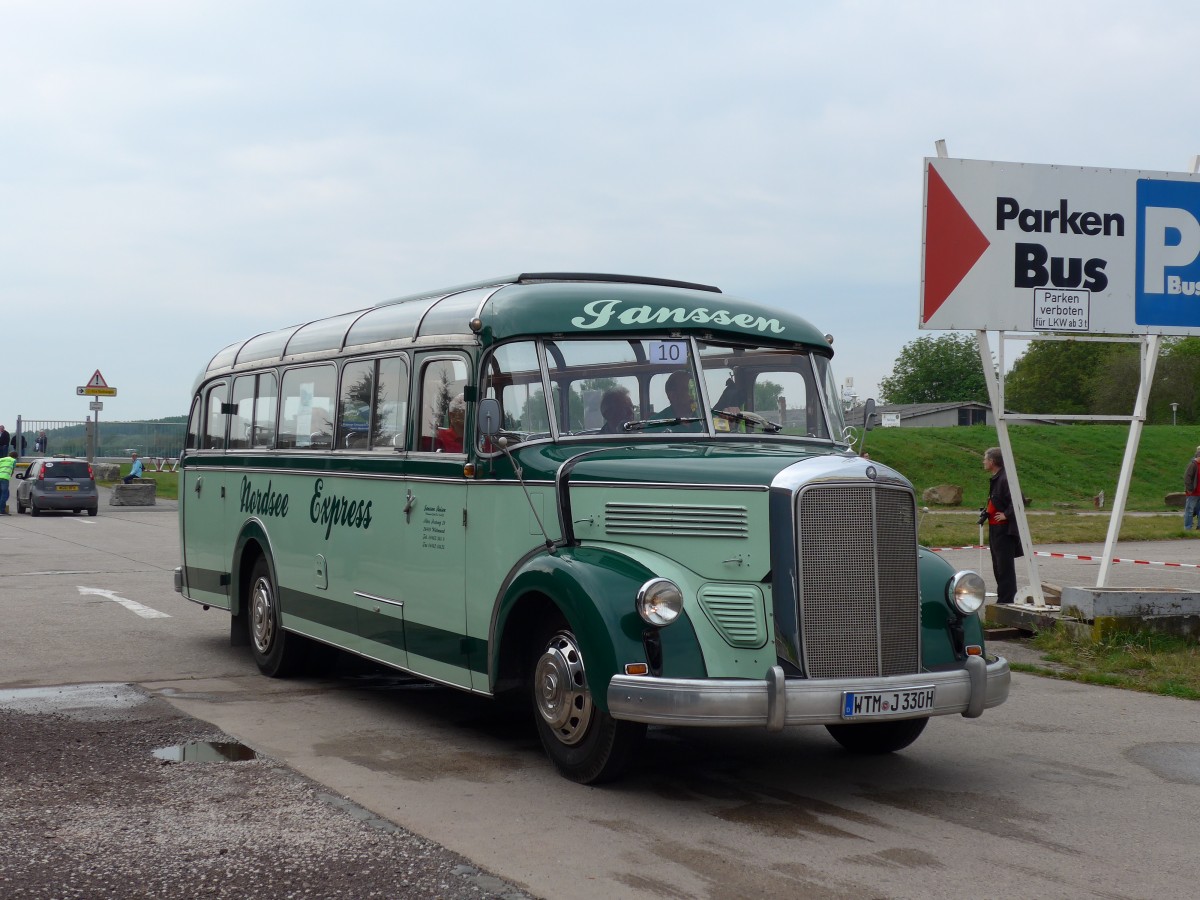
(1064, 464)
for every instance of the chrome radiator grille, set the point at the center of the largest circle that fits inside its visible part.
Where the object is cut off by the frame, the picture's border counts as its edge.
(859, 607)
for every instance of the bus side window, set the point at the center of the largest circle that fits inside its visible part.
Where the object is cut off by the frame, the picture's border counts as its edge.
(306, 404)
(513, 376)
(262, 430)
(442, 382)
(243, 403)
(193, 430)
(373, 405)
(215, 419)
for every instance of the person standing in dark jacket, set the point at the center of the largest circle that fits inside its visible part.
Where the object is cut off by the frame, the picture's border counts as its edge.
(1191, 487)
(1003, 537)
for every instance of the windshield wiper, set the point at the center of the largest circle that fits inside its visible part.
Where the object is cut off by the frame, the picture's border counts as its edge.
(643, 424)
(750, 419)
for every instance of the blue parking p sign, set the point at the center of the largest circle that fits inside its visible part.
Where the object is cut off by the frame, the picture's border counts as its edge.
(1168, 253)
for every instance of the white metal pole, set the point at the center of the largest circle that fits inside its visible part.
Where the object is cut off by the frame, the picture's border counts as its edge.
(1149, 348)
(995, 382)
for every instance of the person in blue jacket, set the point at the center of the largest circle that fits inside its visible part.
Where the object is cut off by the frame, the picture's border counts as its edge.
(135, 471)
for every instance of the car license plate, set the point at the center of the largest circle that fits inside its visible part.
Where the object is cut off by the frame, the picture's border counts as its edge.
(66, 487)
(881, 704)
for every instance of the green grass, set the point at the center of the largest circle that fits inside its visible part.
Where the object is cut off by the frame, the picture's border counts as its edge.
(1154, 663)
(1059, 466)
(954, 529)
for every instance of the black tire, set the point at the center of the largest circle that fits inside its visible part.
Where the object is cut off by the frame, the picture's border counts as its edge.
(878, 737)
(20, 507)
(92, 510)
(33, 508)
(277, 653)
(585, 744)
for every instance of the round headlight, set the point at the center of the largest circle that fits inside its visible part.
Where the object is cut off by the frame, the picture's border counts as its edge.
(659, 601)
(966, 592)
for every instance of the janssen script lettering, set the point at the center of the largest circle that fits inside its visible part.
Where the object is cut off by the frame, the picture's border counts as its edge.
(599, 313)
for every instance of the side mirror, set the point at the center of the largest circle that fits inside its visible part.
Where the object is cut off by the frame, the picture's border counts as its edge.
(487, 417)
(869, 415)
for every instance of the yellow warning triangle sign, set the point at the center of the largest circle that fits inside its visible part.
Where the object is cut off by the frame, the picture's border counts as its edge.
(97, 380)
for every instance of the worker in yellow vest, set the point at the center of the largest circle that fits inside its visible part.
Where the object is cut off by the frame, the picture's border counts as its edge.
(7, 464)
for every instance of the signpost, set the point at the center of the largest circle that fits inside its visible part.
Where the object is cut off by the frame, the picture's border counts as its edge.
(96, 387)
(1067, 254)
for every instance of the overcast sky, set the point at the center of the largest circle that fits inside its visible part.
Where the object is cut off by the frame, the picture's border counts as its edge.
(180, 175)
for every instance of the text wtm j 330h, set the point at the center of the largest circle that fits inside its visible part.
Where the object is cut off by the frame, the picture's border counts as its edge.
(634, 499)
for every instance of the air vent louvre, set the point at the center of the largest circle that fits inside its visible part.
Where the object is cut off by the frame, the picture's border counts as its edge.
(737, 611)
(676, 520)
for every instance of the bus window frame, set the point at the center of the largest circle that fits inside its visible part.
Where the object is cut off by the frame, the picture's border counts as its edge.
(375, 360)
(421, 364)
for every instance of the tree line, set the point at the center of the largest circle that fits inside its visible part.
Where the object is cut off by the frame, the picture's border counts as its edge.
(1064, 377)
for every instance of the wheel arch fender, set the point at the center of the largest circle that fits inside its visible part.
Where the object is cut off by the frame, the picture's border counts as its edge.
(253, 541)
(594, 590)
(934, 574)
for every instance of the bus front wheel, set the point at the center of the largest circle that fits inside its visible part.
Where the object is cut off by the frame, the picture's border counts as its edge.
(584, 743)
(277, 653)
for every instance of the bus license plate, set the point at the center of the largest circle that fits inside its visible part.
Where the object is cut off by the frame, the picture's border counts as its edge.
(67, 487)
(881, 704)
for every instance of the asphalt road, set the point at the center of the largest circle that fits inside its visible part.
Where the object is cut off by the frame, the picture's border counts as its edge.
(1066, 791)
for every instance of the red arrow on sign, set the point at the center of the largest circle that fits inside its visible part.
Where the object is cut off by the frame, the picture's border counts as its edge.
(953, 244)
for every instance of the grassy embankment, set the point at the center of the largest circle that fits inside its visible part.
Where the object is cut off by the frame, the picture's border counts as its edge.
(1061, 468)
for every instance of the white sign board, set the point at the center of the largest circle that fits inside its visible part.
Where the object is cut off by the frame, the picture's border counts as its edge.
(891, 420)
(1022, 247)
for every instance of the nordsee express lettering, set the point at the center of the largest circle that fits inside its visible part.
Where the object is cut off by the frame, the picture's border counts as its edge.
(336, 510)
(599, 313)
(263, 503)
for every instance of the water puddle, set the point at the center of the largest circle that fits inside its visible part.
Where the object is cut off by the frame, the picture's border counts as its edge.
(206, 751)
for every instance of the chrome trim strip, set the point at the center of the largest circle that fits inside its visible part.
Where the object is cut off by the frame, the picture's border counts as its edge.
(730, 702)
(671, 485)
(377, 599)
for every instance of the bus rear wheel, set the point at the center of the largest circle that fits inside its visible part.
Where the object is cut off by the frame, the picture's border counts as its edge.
(584, 743)
(277, 653)
(878, 737)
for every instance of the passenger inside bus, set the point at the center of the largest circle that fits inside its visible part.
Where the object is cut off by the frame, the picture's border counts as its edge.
(450, 439)
(682, 406)
(616, 407)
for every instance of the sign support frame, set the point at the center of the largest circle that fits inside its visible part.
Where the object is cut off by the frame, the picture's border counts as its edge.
(1149, 346)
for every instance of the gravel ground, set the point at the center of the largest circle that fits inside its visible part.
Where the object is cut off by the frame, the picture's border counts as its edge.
(88, 811)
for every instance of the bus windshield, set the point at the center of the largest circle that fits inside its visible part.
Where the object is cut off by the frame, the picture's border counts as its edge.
(639, 386)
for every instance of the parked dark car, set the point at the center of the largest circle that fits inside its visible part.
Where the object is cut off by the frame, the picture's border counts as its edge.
(66, 484)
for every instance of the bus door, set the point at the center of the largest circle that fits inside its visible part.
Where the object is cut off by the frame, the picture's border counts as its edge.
(433, 535)
(205, 548)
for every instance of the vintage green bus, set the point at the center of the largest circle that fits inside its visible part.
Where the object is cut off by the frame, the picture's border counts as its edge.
(633, 499)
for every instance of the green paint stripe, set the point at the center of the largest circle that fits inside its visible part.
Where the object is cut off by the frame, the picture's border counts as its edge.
(205, 580)
(438, 644)
(309, 464)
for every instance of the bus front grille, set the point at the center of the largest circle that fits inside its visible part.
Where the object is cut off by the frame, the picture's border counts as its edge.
(859, 607)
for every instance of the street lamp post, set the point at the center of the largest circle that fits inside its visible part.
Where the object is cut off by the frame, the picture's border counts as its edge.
(1174, 407)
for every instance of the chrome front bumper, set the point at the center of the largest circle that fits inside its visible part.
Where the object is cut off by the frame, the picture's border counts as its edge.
(777, 701)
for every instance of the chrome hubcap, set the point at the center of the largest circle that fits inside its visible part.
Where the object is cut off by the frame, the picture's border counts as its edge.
(262, 615)
(560, 689)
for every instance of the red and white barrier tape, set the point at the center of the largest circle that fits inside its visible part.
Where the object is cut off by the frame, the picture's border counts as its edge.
(1140, 562)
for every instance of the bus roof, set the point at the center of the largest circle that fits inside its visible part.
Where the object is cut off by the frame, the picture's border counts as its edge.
(529, 304)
